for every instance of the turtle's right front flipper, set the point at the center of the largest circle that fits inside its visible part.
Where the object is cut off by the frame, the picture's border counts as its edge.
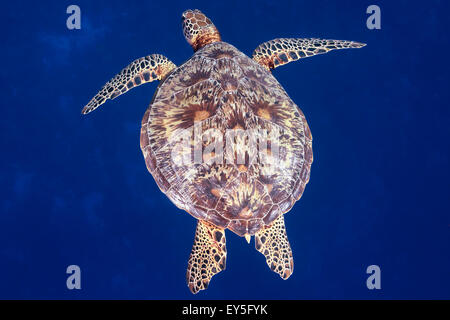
(274, 53)
(140, 71)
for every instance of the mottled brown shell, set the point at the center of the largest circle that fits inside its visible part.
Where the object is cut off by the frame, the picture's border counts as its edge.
(220, 87)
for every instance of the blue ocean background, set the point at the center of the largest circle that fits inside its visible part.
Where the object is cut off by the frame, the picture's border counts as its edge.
(75, 189)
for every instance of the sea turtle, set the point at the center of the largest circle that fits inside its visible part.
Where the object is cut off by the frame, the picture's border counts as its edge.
(206, 136)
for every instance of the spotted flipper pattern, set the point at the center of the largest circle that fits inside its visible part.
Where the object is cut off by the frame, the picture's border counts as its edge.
(274, 53)
(140, 71)
(273, 243)
(208, 256)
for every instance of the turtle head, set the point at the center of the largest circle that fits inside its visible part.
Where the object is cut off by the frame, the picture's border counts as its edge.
(198, 29)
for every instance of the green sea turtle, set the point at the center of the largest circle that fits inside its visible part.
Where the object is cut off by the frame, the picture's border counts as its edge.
(217, 91)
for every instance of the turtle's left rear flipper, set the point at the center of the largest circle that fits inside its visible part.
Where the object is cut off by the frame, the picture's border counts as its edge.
(208, 256)
(274, 53)
(140, 71)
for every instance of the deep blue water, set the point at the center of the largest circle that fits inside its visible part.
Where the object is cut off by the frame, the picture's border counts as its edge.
(75, 189)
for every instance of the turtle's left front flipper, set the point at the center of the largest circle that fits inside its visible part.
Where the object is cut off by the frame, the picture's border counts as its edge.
(274, 53)
(140, 71)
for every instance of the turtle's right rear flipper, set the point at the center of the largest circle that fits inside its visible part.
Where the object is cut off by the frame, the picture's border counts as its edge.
(140, 71)
(273, 243)
(208, 256)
